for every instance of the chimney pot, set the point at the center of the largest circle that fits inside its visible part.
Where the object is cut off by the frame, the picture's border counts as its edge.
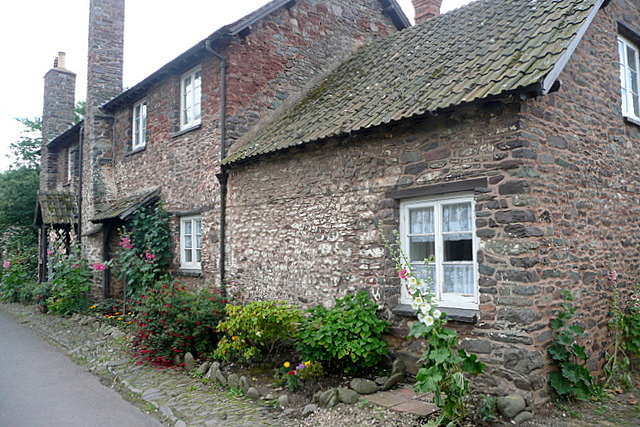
(61, 60)
(426, 9)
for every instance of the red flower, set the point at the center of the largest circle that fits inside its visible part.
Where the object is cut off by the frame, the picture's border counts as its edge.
(292, 372)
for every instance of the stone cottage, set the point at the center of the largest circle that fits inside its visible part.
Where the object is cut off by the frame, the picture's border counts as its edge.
(499, 138)
(161, 138)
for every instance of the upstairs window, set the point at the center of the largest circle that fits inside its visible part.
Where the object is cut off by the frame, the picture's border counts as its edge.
(139, 128)
(190, 98)
(630, 82)
(438, 236)
(190, 242)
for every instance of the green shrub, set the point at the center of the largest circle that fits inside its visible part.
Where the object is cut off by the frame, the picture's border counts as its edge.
(172, 320)
(347, 336)
(573, 379)
(257, 330)
(70, 284)
(19, 272)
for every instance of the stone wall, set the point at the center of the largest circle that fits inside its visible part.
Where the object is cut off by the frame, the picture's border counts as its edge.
(560, 210)
(267, 67)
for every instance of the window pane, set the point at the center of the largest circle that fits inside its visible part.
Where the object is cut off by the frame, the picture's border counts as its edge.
(421, 248)
(631, 58)
(458, 249)
(458, 279)
(456, 217)
(636, 106)
(421, 221)
(187, 227)
(420, 271)
(198, 255)
(187, 256)
(188, 242)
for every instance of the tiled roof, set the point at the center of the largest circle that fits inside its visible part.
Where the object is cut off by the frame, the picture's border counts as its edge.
(124, 207)
(56, 209)
(487, 48)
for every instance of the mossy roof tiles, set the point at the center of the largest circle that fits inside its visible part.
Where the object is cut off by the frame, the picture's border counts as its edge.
(122, 208)
(484, 49)
(57, 208)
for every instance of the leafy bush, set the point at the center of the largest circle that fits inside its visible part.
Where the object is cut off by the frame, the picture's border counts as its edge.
(573, 380)
(347, 336)
(19, 269)
(70, 284)
(174, 320)
(145, 250)
(257, 330)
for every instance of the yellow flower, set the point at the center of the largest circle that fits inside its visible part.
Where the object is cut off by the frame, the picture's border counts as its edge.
(119, 318)
(93, 306)
(233, 338)
(307, 363)
(117, 312)
(286, 364)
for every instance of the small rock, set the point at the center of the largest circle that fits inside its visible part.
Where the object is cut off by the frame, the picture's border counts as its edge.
(220, 377)
(288, 412)
(181, 423)
(117, 333)
(253, 394)
(393, 381)
(522, 417)
(269, 396)
(510, 406)
(309, 409)
(381, 380)
(189, 362)
(243, 383)
(329, 398)
(211, 373)
(176, 360)
(398, 367)
(215, 365)
(348, 396)
(203, 369)
(363, 386)
(233, 381)
(283, 401)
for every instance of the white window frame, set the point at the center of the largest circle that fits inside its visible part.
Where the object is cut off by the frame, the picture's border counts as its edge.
(70, 155)
(190, 98)
(139, 126)
(629, 77)
(444, 300)
(195, 250)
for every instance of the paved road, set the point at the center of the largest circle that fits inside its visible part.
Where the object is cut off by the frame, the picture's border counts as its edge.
(40, 387)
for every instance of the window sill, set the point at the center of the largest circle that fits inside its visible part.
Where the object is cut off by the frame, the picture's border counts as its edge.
(632, 120)
(137, 150)
(186, 130)
(66, 184)
(187, 273)
(462, 315)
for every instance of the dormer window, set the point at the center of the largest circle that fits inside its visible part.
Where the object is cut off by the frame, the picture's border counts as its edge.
(629, 79)
(190, 95)
(139, 127)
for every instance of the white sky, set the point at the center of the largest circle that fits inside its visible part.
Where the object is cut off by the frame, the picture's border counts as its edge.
(32, 32)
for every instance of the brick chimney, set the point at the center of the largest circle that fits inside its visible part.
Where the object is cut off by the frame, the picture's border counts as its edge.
(57, 115)
(104, 81)
(426, 9)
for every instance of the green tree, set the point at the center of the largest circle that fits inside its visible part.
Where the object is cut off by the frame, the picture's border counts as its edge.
(26, 151)
(18, 190)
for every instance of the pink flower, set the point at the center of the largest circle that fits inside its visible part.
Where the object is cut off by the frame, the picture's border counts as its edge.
(49, 253)
(97, 266)
(148, 255)
(125, 243)
(6, 264)
(613, 275)
(74, 265)
(403, 274)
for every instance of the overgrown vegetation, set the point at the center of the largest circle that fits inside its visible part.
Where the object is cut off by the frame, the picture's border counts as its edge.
(443, 363)
(346, 337)
(258, 330)
(172, 320)
(624, 352)
(572, 380)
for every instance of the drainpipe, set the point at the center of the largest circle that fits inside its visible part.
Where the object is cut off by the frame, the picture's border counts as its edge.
(80, 182)
(223, 174)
